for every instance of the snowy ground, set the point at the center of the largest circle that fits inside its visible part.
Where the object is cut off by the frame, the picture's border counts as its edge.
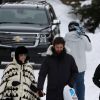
(93, 57)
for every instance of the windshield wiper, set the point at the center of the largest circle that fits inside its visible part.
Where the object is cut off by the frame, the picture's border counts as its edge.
(18, 22)
(6, 22)
(45, 28)
(30, 23)
(25, 23)
(22, 23)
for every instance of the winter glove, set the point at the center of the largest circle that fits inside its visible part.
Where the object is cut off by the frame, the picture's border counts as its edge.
(15, 83)
(40, 93)
(33, 88)
(71, 83)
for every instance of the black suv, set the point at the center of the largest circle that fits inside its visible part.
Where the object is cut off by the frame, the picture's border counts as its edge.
(32, 25)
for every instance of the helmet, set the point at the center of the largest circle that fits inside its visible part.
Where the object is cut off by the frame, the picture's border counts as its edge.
(72, 25)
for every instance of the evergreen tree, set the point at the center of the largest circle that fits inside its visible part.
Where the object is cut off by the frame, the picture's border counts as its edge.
(91, 15)
(73, 3)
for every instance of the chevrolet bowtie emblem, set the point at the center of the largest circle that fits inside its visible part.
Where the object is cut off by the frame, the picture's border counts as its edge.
(17, 38)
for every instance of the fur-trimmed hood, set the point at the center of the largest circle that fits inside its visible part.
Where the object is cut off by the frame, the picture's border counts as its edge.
(15, 62)
(50, 52)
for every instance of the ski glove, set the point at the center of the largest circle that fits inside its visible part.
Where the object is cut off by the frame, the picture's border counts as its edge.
(33, 88)
(40, 93)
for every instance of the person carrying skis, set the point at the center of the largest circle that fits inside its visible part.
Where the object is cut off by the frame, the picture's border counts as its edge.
(78, 43)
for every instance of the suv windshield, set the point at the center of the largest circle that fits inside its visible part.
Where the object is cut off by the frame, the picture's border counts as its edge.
(23, 16)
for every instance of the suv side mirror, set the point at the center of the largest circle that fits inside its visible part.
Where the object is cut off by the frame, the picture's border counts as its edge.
(56, 22)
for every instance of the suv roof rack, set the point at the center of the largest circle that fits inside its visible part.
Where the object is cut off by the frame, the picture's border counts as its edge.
(29, 2)
(43, 2)
(38, 2)
(35, 2)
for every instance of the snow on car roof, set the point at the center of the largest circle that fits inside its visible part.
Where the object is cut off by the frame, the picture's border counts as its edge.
(25, 4)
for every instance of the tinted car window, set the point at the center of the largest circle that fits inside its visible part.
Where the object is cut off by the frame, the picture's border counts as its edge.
(23, 16)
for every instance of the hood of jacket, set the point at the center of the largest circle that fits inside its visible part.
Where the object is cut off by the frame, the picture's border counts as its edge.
(51, 51)
(15, 62)
(21, 50)
(73, 36)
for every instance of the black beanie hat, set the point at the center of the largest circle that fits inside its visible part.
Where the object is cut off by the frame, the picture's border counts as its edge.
(21, 50)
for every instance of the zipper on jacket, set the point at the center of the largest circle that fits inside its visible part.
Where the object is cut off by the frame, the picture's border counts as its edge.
(20, 73)
(21, 80)
(23, 70)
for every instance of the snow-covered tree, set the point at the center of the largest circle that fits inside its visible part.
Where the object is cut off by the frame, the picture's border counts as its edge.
(73, 3)
(90, 15)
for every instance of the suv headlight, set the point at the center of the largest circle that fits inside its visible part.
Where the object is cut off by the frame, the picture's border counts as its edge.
(43, 38)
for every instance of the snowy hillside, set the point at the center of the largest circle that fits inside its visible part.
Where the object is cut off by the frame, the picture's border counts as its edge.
(93, 57)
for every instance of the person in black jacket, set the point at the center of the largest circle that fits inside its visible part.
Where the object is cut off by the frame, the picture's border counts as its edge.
(60, 69)
(96, 77)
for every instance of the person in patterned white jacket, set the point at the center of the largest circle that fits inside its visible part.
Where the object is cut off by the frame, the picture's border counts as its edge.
(18, 81)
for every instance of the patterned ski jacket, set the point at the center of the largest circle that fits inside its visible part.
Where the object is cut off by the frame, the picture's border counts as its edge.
(16, 82)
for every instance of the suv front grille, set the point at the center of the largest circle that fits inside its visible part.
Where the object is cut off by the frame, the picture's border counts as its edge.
(10, 43)
(18, 40)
